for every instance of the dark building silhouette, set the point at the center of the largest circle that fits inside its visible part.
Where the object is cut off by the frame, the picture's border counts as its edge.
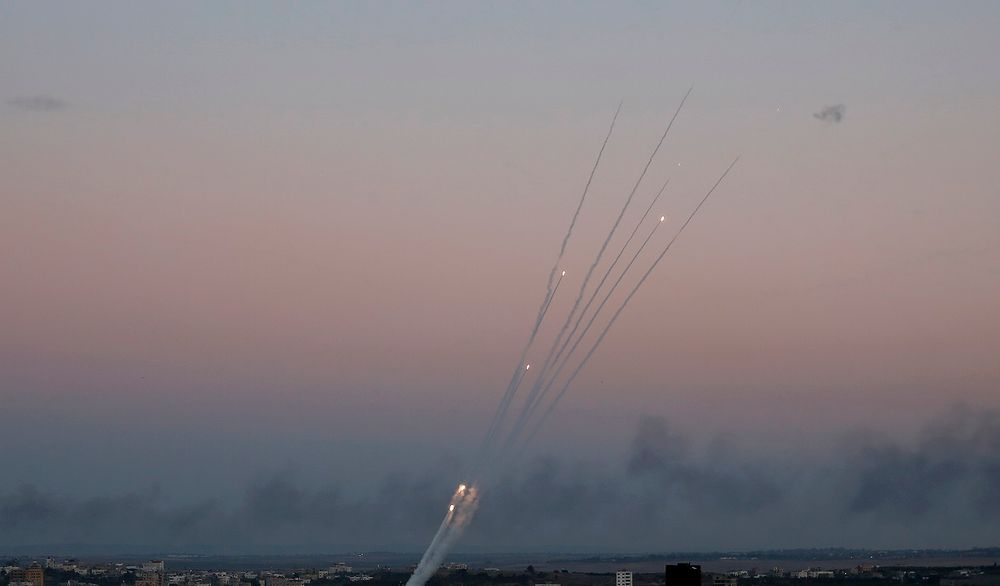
(682, 575)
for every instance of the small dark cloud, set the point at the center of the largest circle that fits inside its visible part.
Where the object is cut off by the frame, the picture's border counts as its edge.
(832, 114)
(38, 103)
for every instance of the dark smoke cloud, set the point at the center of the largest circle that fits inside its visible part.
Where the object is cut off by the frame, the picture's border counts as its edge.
(26, 505)
(833, 114)
(665, 457)
(955, 458)
(557, 505)
(667, 492)
(39, 103)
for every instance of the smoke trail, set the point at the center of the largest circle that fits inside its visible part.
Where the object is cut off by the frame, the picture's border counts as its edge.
(534, 396)
(522, 372)
(545, 308)
(427, 565)
(600, 253)
(624, 303)
(549, 293)
(519, 374)
(526, 416)
(449, 530)
(462, 515)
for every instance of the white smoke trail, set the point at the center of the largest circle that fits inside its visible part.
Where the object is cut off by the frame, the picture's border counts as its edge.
(624, 303)
(511, 390)
(537, 391)
(465, 501)
(531, 409)
(462, 507)
(600, 253)
(453, 525)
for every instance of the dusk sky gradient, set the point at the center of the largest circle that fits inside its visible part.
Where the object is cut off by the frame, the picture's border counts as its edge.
(248, 241)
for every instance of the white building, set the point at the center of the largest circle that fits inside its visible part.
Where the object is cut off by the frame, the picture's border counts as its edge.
(623, 578)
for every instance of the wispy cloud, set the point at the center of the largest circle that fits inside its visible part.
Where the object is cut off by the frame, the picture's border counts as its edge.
(37, 103)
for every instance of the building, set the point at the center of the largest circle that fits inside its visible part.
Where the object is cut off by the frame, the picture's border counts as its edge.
(16, 574)
(623, 578)
(682, 575)
(35, 574)
(153, 573)
(724, 581)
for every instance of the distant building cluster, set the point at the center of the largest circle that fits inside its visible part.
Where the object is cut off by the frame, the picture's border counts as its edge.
(72, 572)
(33, 575)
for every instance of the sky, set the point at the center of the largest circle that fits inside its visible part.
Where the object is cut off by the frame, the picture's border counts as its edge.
(266, 269)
